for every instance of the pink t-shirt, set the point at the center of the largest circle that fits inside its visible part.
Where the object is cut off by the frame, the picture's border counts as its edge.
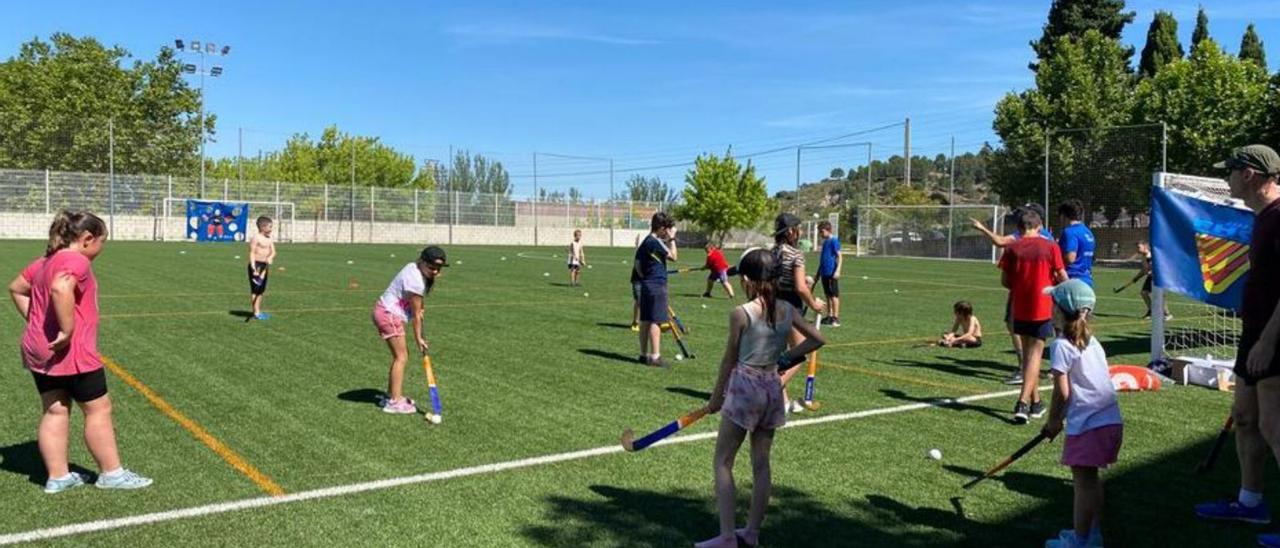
(81, 356)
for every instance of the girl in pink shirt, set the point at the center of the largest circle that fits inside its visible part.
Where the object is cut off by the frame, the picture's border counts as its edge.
(58, 296)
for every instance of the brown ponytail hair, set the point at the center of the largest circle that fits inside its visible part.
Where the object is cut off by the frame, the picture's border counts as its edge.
(68, 226)
(1075, 328)
(759, 268)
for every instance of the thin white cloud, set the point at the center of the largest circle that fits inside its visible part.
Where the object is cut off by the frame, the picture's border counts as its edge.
(814, 119)
(506, 33)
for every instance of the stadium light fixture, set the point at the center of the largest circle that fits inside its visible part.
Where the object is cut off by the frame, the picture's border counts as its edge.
(215, 71)
(226, 50)
(195, 45)
(189, 68)
(209, 47)
(178, 42)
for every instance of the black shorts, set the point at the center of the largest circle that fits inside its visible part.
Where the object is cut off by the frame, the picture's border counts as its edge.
(653, 303)
(974, 344)
(258, 286)
(575, 267)
(635, 291)
(83, 387)
(792, 298)
(1241, 369)
(830, 287)
(1146, 285)
(1041, 330)
(1008, 310)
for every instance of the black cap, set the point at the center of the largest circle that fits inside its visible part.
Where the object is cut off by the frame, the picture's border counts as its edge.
(1260, 158)
(785, 222)
(434, 255)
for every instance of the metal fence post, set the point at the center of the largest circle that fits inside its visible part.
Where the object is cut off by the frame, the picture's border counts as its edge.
(495, 209)
(46, 192)
(371, 212)
(325, 214)
(226, 190)
(111, 181)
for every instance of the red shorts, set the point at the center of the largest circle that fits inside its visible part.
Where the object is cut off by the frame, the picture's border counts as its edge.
(1094, 448)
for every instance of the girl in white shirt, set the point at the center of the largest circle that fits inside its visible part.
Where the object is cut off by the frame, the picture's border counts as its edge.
(401, 302)
(1083, 398)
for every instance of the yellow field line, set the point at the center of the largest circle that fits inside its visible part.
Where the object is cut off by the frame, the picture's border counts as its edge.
(229, 455)
(898, 377)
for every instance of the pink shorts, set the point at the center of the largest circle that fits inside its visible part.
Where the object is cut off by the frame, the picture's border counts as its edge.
(754, 398)
(388, 324)
(1094, 448)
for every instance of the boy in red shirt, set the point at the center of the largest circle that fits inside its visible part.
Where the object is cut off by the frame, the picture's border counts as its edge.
(719, 270)
(1028, 266)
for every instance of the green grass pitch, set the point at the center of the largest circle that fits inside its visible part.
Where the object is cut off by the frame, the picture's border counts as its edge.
(530, 367)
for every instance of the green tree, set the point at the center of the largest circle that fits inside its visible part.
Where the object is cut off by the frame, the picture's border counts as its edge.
(1086, 84)
(1272, 133)
(837, 173)
(58, 98)
(1202, 29)
(1251, 48)
(1072, 18)
(476, 174)
(1162, 46)
(647, 189)
(1213, 103)
(720, 195)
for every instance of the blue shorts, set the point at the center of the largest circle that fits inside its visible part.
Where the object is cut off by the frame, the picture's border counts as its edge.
(1041, 330)
(653, 303)
(635, 291)
(721, 276)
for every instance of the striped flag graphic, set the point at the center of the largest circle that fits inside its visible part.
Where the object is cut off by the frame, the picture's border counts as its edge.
(1222, 261)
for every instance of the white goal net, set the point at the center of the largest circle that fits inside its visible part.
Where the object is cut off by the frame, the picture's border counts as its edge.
(1196, 331)
(171, 219)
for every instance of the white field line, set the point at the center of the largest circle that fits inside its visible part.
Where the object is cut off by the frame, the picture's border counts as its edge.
(378, 485)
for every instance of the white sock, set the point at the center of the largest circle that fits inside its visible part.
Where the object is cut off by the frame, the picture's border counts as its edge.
(655, 357)
(113, 473)
(63, 478)
(1249, 499)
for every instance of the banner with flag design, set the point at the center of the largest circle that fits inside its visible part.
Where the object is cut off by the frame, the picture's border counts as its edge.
(1200, 248)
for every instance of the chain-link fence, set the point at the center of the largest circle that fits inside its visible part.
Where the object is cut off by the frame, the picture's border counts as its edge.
(28, 198)
(937, 232)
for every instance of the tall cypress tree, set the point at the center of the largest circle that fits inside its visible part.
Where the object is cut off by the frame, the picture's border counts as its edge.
(1162, 46)
(1074, 17)
(1202, 29)
(1251, 48)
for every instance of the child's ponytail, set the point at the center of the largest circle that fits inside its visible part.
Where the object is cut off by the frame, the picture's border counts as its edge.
(1076, 329)
(68, 226)
(760, 267)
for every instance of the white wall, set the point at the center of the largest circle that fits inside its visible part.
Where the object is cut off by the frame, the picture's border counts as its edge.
(28, 226)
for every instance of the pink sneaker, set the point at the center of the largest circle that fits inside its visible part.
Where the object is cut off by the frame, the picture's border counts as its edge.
(402, 406)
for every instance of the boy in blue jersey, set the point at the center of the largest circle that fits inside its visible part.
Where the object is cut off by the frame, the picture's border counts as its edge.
(651, 269)
(829, 271)
(1076, 242)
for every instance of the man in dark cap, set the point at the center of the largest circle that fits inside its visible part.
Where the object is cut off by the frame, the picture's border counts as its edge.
(1255, 178)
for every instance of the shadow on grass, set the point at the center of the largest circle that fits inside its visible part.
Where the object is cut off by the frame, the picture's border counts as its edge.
(1127, 345)
(245, 315)
(562, 284)
(608, 355)
(361, 395)
(968, 368)
(992, 412)
(24, 459)
(1147, 505)
(614, 325)
(611, 516)
(695, 394)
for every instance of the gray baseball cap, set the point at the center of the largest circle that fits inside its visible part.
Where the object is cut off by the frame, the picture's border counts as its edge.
(1260, 158)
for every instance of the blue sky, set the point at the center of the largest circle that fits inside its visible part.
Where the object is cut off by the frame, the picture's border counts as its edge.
(647, 83)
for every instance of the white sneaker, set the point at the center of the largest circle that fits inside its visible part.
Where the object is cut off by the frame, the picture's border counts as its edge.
(795, 407)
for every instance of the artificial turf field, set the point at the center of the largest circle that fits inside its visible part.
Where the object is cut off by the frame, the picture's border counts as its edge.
(529, 367)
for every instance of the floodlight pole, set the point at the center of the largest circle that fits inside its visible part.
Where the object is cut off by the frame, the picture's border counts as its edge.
(188, 48)
(951, 199)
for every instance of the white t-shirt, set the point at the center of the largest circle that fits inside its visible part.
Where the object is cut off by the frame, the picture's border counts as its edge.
(1093, 399)
(575, 253)
(408, 282)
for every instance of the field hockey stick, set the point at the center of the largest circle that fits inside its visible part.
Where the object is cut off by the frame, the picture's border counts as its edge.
(1006, 462)
(676, 319)
(1125, 286)
(675, 332)
(808, 401)
(632, 445)
(684, 270)
(437, 411)
(1217, 446)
